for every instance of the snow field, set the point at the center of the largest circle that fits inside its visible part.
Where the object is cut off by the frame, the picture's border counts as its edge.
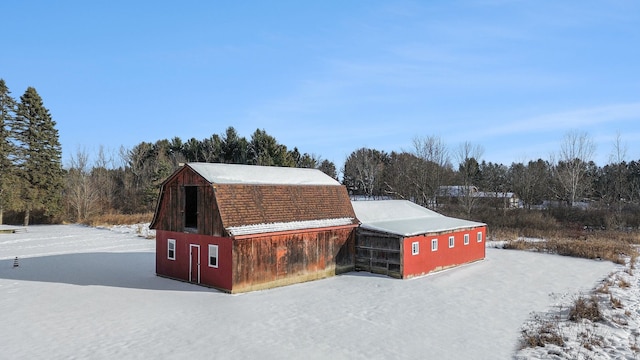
(81, 292)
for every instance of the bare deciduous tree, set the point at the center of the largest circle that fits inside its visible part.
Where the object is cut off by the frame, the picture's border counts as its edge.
(363, 171)
(570, 169)
(430, 175)
(81, 194)
(467, 156)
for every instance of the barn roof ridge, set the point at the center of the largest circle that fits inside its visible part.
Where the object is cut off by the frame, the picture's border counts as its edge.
(219, 173)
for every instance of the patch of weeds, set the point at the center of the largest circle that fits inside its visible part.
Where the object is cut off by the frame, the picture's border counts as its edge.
(585, 308)
(620, 319)
(634, 343)
(622, 283)
(589, 339)
(540, 332)
(615, 302)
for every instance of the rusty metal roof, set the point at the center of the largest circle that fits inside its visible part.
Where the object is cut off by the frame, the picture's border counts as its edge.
(250, 204)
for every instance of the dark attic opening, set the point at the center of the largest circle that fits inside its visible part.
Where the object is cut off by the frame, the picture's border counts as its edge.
(191, 207)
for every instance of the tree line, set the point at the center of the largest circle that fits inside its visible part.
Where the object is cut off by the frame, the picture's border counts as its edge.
(128, 182)
(568, 179)
(34, 184)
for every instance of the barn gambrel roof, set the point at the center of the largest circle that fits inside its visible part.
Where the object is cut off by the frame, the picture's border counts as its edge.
(404, 218)
(252, 199)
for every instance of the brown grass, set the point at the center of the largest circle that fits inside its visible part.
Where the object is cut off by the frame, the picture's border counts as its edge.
(622, 283)
(610, 246)
(541, 332)
(615, 302)
(585, 308)
(119, 219)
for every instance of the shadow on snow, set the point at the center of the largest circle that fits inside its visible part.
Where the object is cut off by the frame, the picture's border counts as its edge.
(134, 270)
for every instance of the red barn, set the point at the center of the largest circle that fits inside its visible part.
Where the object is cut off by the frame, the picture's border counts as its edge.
(241, 228)
(401, 239)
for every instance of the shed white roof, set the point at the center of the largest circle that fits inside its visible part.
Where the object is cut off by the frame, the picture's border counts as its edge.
(404, 218)
(254, 174)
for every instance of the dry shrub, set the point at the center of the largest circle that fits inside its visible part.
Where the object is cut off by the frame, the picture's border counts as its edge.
(622, 283)
(615, 302)
(541, 331)
(589, 339)
(119, 219)
(585, 308)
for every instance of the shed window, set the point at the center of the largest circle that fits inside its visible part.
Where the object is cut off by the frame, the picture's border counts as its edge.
(466, 239)
(452, 241)
(191, 207)
(171, 249)
(213, 256)
(415, 248)
(434, 244)
(479, 236)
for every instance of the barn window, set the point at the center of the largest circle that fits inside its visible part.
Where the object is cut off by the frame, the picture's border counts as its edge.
(452, 241)
(415, 248)
(479, 236)
(434, 244)
(466, 239)
(171, 249)
(191, 207)
(213, 256)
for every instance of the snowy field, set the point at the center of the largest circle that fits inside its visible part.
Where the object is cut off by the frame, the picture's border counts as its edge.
(83, 293)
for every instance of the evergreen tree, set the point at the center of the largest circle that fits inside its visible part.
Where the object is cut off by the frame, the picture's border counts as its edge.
(39, 157)
(264, 150)
(233, 147)
(7, 114)
(328, 168)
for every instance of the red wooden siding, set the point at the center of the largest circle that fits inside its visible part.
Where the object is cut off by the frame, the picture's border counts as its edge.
(427, 261)
(219, 277)
(280, 259)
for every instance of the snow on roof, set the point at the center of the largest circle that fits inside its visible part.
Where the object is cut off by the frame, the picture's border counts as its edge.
(255, 174)
(287, 226)
(404, 218)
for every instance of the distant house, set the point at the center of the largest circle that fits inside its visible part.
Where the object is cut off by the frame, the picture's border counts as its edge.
(401, 239)
(497, 199)
(451, 193)
(456, 190)
(241, 228)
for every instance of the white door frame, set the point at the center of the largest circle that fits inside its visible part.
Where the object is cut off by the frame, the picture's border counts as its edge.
(193, 247)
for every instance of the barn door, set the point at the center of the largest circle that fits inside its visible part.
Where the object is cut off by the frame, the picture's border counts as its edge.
(194, 263)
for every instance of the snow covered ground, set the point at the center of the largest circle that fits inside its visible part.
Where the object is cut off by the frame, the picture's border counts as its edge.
(82, 292)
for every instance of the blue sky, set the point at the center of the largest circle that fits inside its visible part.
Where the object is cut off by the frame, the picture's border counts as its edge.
(330, 77)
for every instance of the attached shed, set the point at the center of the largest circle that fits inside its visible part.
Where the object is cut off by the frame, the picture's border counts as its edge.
(240, 228)
(401, 239)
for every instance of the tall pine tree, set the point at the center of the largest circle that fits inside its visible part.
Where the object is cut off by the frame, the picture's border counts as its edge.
(39, 158)
(7, 114)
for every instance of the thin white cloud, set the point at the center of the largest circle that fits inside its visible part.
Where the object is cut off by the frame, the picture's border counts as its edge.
(565, 120)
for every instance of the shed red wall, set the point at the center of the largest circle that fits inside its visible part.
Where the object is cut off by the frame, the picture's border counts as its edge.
(427, 261)
(219, 277)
